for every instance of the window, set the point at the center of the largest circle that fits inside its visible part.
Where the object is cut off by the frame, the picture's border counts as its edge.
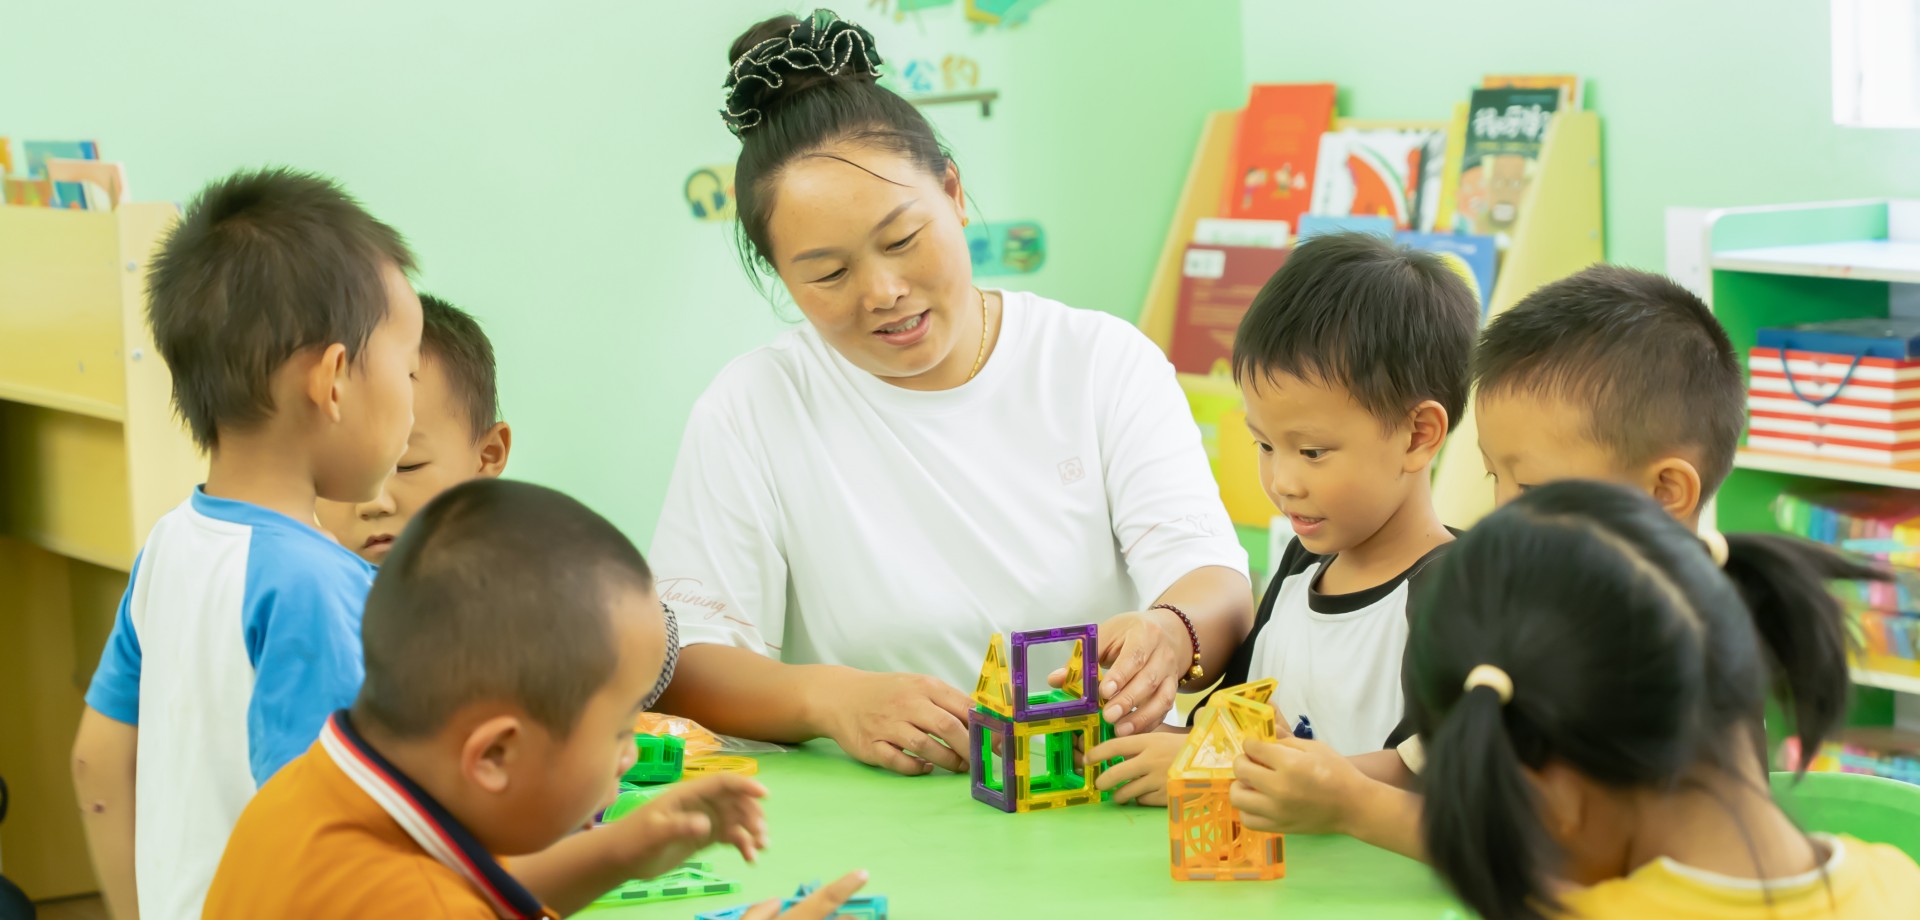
(1876, 63)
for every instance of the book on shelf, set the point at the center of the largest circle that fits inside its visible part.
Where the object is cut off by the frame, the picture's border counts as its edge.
(1505, 131)
(1889, 752)
(1568, 85)
(65, 194)
(1480, 254)
(1217, 285)
(103, 185)
(1312, 225)
(1270, 175)
(1381, 172)
(6, 156)
(1222, 231)
(28, 193)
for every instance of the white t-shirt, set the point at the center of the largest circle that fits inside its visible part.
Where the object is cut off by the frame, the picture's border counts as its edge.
(820, 514)
(1336, 657)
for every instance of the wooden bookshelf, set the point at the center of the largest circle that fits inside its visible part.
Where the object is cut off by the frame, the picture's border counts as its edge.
(90, 456)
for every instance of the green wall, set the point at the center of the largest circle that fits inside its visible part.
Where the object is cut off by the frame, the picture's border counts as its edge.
(1703, 102)
(535, 155)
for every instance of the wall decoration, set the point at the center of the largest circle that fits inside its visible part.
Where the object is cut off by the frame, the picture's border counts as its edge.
(709, 191)
(1016, 248)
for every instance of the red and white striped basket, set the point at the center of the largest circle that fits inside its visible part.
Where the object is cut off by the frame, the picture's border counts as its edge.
(1834, 406)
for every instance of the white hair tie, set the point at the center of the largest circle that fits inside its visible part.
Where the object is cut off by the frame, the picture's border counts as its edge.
(1493, 678)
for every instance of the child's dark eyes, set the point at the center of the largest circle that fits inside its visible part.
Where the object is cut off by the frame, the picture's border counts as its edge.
(1313, 453)
(409, 467)
(838, 273)
(1265, 448)
(902, 244)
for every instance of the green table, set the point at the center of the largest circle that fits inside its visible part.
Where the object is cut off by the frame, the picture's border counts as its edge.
(936, 853)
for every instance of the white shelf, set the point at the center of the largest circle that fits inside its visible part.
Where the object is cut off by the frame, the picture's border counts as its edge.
(1865, 260)
(1898, 477)
(1884, 680)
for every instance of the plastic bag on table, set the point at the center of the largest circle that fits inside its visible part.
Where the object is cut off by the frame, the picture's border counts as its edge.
(699, 741)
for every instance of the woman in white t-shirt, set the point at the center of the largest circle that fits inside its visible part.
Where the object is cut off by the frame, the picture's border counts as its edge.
(858, 507)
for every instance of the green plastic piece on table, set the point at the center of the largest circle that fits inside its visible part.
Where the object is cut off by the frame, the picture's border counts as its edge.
(661, 760)
(630, 798)
(691, 880)
(1872, 808)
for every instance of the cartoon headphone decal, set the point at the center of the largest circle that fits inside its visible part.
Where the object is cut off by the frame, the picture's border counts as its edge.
(707, 194)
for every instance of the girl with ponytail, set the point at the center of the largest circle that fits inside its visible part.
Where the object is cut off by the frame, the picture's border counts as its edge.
(1590, 679)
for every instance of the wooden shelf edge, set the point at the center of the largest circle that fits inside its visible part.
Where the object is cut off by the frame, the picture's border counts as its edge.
(61, 402)
(1813, 467)
(1899, 683)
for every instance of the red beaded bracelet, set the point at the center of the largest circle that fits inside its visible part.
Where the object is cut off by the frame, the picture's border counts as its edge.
(1196, 672)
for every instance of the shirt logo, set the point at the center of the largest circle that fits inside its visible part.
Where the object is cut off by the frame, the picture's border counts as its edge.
(1071, 472)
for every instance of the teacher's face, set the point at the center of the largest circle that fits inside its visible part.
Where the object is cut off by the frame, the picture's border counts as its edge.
(871, 248)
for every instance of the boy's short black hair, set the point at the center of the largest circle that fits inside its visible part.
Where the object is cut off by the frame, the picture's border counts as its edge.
(453, 338)
(496, 591)
(263, 264)
(1643, 354)
(1390, 325)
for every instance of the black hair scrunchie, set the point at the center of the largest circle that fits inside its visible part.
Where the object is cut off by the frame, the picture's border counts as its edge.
(822, 42)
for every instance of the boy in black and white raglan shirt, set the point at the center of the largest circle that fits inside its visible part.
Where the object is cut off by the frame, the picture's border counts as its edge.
(1353, 361)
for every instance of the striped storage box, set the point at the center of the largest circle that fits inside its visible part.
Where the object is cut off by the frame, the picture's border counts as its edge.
(1848, 390)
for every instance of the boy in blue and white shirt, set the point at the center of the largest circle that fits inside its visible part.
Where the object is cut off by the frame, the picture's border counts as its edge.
(284, 313)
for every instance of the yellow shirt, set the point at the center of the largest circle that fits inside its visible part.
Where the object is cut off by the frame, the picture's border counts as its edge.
(1861, 881)
(316, 843)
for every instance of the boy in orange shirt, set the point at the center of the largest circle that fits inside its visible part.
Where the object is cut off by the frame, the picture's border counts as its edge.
(457, 433)
(511, 639)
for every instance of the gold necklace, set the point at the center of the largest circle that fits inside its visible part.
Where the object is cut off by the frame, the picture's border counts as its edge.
(981, 357)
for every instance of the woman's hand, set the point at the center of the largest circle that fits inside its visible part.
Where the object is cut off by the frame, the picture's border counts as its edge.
(1145, 662)
(1144, 771)
(907, 723)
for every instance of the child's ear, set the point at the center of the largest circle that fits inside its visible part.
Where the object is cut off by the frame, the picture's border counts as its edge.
(1426, 431)
(495, 445)
(1675, 484)
(1564, 797)
(488, 755)
(326, 378)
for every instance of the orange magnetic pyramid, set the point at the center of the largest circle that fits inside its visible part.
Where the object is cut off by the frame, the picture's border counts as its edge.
(994, 692)
(1208, 841)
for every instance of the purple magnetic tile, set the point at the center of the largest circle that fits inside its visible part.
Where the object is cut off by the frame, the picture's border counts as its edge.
(1089, 637)
(979, 725)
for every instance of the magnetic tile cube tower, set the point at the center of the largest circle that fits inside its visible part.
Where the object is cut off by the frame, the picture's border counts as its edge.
(1208, 841)
(1007, 712)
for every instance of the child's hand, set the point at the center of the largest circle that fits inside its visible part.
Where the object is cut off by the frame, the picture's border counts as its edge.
(819, 905)
(691, 816)
(1292, 786)
(1145, 769)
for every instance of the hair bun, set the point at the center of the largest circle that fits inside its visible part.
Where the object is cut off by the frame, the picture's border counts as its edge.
(789, 56)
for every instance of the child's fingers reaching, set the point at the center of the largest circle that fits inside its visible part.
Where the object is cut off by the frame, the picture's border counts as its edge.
(1130, 746)
(819, 905)
(1058, 678)
(1253, 807)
